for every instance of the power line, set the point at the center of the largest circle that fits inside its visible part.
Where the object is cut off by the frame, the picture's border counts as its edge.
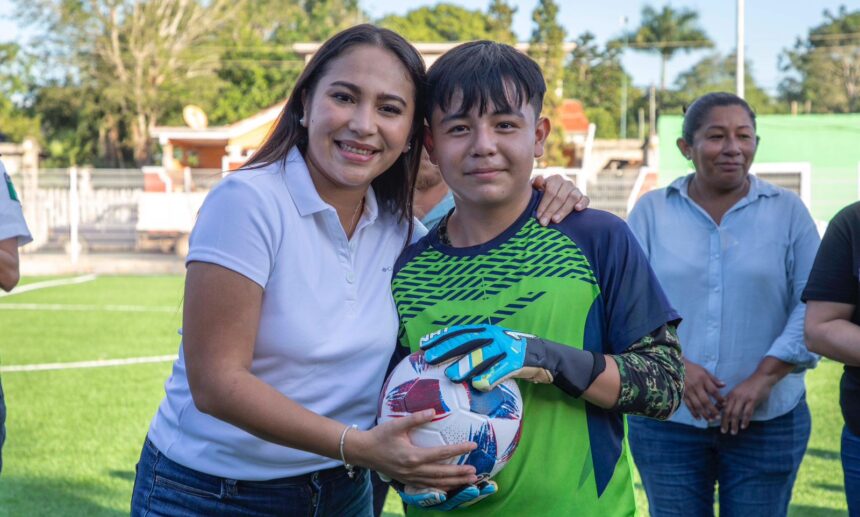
(813, 37)
(672, 44)
(826, 47)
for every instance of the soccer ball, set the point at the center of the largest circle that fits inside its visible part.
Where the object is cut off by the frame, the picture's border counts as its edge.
(492, 419)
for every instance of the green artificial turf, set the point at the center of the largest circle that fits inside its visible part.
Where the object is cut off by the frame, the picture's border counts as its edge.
(74, 435)
(117, 331)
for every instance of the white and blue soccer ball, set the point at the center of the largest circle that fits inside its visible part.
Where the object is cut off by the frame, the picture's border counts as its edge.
(491, 419)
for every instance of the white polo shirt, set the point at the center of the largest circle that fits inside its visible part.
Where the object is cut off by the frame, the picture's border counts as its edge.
(12, 222)
(328, 323)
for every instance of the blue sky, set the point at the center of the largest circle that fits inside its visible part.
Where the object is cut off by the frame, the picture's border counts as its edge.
(771, 26)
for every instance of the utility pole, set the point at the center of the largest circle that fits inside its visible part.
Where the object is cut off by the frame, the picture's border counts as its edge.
(624, 83)
(739, 73)
(652, 111)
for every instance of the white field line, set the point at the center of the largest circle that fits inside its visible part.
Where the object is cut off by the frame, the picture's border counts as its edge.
(85, 308)
(86, 364)
(50, 283)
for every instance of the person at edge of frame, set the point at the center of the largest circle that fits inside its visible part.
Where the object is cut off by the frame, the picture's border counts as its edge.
(13, 234)
(832, 329)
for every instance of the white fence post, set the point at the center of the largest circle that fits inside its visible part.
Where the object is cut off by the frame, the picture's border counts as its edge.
(74, 216)
(637, 187)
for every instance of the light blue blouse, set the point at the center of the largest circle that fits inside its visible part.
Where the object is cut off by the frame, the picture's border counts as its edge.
(737, 284)
(439, 211)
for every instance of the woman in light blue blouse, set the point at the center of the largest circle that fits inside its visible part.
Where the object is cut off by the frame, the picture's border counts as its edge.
(733, 253)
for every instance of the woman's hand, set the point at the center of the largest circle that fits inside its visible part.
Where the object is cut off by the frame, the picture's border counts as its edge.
(742, 401)
(561, 197)
(702, 392)
(387, 449)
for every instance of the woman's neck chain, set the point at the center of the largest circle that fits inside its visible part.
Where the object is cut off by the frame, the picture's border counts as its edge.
(359, 208)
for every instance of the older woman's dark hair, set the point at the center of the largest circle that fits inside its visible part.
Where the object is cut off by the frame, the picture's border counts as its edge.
(697, 112)
(393, 187)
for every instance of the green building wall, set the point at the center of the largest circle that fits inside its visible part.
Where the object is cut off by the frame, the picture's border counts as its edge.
(829, 143)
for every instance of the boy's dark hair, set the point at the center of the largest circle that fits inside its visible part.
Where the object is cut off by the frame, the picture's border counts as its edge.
(696, 113)
(485, 73)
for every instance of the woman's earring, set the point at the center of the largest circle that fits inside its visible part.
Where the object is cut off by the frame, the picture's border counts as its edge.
(408, 147)
(302, 122)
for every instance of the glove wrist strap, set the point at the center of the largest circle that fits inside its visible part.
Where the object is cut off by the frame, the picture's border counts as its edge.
(573, 370)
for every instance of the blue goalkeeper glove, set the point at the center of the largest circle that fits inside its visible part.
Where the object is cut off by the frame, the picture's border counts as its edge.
(435, 499)
(489, 355)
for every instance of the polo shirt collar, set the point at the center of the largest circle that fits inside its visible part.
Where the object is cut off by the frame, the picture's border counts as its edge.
(758, 188)
(304, 193)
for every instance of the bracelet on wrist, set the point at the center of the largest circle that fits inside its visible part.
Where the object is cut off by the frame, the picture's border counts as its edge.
(350, 469)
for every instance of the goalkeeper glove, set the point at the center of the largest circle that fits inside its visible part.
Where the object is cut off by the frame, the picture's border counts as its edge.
(489, 355)
(434, 499)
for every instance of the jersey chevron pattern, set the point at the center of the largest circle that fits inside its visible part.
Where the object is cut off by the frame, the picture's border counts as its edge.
(432, 278)
(575, 283)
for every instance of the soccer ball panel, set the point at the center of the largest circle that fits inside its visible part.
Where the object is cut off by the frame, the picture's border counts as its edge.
(492, 420)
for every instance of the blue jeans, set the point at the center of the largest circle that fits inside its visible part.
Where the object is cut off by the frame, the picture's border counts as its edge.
(680, 465)
(165, 488)
(851, 468)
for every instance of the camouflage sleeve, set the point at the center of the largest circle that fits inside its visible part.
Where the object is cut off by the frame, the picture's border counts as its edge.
(652, 375)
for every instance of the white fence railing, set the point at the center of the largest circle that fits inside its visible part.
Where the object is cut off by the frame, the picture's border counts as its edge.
(104, 204)
(575, 175)
(100, 201)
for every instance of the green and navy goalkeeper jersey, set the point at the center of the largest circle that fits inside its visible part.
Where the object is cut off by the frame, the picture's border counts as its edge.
(584, 282)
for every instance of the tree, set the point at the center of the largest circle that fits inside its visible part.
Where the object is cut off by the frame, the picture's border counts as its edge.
(716, 73)
(595, 77)
(76, 128)
(501, 20)
(257, 67)
(441, 22)
(666, 32)
(127, 65)
(15, 79)
(135, 53)
(324, 17)
(827, 64)
(547, 48)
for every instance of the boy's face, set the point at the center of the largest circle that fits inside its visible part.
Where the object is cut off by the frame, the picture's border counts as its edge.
(487, 159)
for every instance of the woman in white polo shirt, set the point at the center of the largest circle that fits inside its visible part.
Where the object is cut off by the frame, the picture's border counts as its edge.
(289, 323)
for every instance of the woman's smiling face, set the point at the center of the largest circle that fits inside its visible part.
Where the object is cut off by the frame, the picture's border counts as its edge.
(359, 118)
(723, 148)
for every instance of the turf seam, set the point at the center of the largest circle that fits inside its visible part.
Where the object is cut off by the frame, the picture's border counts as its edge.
(50, 283)
(85, 307)
(99, 363)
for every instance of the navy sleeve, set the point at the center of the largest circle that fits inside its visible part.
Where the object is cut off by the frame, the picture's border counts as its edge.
(634, 304)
